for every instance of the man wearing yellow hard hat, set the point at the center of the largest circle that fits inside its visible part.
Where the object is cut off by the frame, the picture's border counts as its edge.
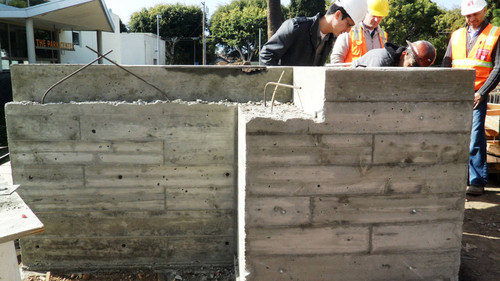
(363, 37)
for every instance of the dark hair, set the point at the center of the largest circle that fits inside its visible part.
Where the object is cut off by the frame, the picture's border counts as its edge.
(333, 8)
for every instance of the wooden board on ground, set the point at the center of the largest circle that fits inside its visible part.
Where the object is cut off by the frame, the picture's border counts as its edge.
(17, 219)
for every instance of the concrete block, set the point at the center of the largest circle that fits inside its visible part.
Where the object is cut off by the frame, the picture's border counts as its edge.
(386, 209)
(394, 117)
(399, 84)
(146, 128)
(109, 83)
(92, 253)
(170, 176)
(274, 211)
(421, 148)
(90, 198)
(203, 149)
(80, 146)
(364, 179)
(265, 126)
(188, 197)
(54, 158)
(398, 267)
(202, 250)
(300, 241)
(138, 159)
(40, 177)
(137, 223)
(403, 238)
(311, 180)
(309, 149)
(42, 127)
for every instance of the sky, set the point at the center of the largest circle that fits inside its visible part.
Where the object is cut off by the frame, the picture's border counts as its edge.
(125, 8)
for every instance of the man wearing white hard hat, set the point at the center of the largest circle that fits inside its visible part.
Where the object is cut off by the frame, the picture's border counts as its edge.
(476, 46)
(363, 37)
(307, 41)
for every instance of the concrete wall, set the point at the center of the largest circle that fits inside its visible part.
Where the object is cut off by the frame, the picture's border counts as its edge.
(126, 184)
(110, 83)
(373, 192)
(363, 179)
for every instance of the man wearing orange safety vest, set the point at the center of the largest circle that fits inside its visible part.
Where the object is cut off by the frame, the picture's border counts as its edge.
(363, 37)
(476, 46)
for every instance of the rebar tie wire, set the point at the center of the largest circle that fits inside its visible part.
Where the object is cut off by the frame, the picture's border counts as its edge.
(90, 63)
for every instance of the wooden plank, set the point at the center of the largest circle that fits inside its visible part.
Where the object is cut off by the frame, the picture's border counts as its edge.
(493, 148)
(17, 219)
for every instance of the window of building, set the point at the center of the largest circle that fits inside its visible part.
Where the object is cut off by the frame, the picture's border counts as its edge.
(76, 38)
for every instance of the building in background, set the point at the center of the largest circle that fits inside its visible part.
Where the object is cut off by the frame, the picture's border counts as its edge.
(59, 31)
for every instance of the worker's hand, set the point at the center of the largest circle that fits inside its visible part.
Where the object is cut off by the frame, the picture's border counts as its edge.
(477, 100)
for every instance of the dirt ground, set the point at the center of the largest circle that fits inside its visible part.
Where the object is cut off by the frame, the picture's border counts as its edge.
(480, 250)
(481, 235)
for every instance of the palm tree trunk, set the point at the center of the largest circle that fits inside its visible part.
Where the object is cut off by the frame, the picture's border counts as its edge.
(273, 16)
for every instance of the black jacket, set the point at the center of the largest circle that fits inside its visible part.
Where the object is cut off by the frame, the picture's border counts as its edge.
(295, 43)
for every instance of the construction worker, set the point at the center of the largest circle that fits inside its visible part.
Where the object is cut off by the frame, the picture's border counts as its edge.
(307, 41)
(476, 46)
(363, 37)
(419, 53)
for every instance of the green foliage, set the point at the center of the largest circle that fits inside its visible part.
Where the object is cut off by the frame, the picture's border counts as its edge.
(307, 8)
(419, 20)
(495, 20)
(235, 27)
(178, 25)
(22, 3)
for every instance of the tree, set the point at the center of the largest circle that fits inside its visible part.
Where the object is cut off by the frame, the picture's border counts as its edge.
(235, 27)
(179, 24)
(414, 20)
(274, 19)
(307, 8)
(23, 3)
(445, 24)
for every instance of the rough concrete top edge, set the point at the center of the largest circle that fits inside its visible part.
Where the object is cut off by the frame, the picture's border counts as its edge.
(280, 112)
(157, 66)
(398, 69)
(137, 102)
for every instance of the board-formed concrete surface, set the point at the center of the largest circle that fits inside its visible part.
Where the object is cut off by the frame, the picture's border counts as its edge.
(371, 188)
(120, 184)
(362, 177)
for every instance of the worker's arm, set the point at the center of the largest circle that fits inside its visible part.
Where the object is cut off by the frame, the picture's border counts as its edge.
(447, 57)
(340, 49)
(278, 44)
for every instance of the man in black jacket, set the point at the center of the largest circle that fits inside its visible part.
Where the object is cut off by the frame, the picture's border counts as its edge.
(308, 41)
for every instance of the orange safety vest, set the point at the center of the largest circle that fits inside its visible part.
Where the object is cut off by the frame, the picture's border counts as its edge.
(479, 57)
(357, 44)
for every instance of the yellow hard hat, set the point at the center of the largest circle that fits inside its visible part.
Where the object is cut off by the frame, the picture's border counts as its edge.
(378, 8)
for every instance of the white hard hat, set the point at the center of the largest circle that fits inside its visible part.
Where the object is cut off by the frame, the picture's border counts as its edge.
(472, 6)
(356, 9)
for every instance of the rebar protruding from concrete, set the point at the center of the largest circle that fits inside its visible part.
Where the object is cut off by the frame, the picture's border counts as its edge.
(130, 72)
(74, 72)
(275, 89)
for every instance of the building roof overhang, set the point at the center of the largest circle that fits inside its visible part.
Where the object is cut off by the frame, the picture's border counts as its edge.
(65, 15)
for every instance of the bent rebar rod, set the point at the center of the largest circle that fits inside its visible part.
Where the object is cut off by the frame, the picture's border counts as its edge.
(130, 72)
(73, 73)
(277, 85)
